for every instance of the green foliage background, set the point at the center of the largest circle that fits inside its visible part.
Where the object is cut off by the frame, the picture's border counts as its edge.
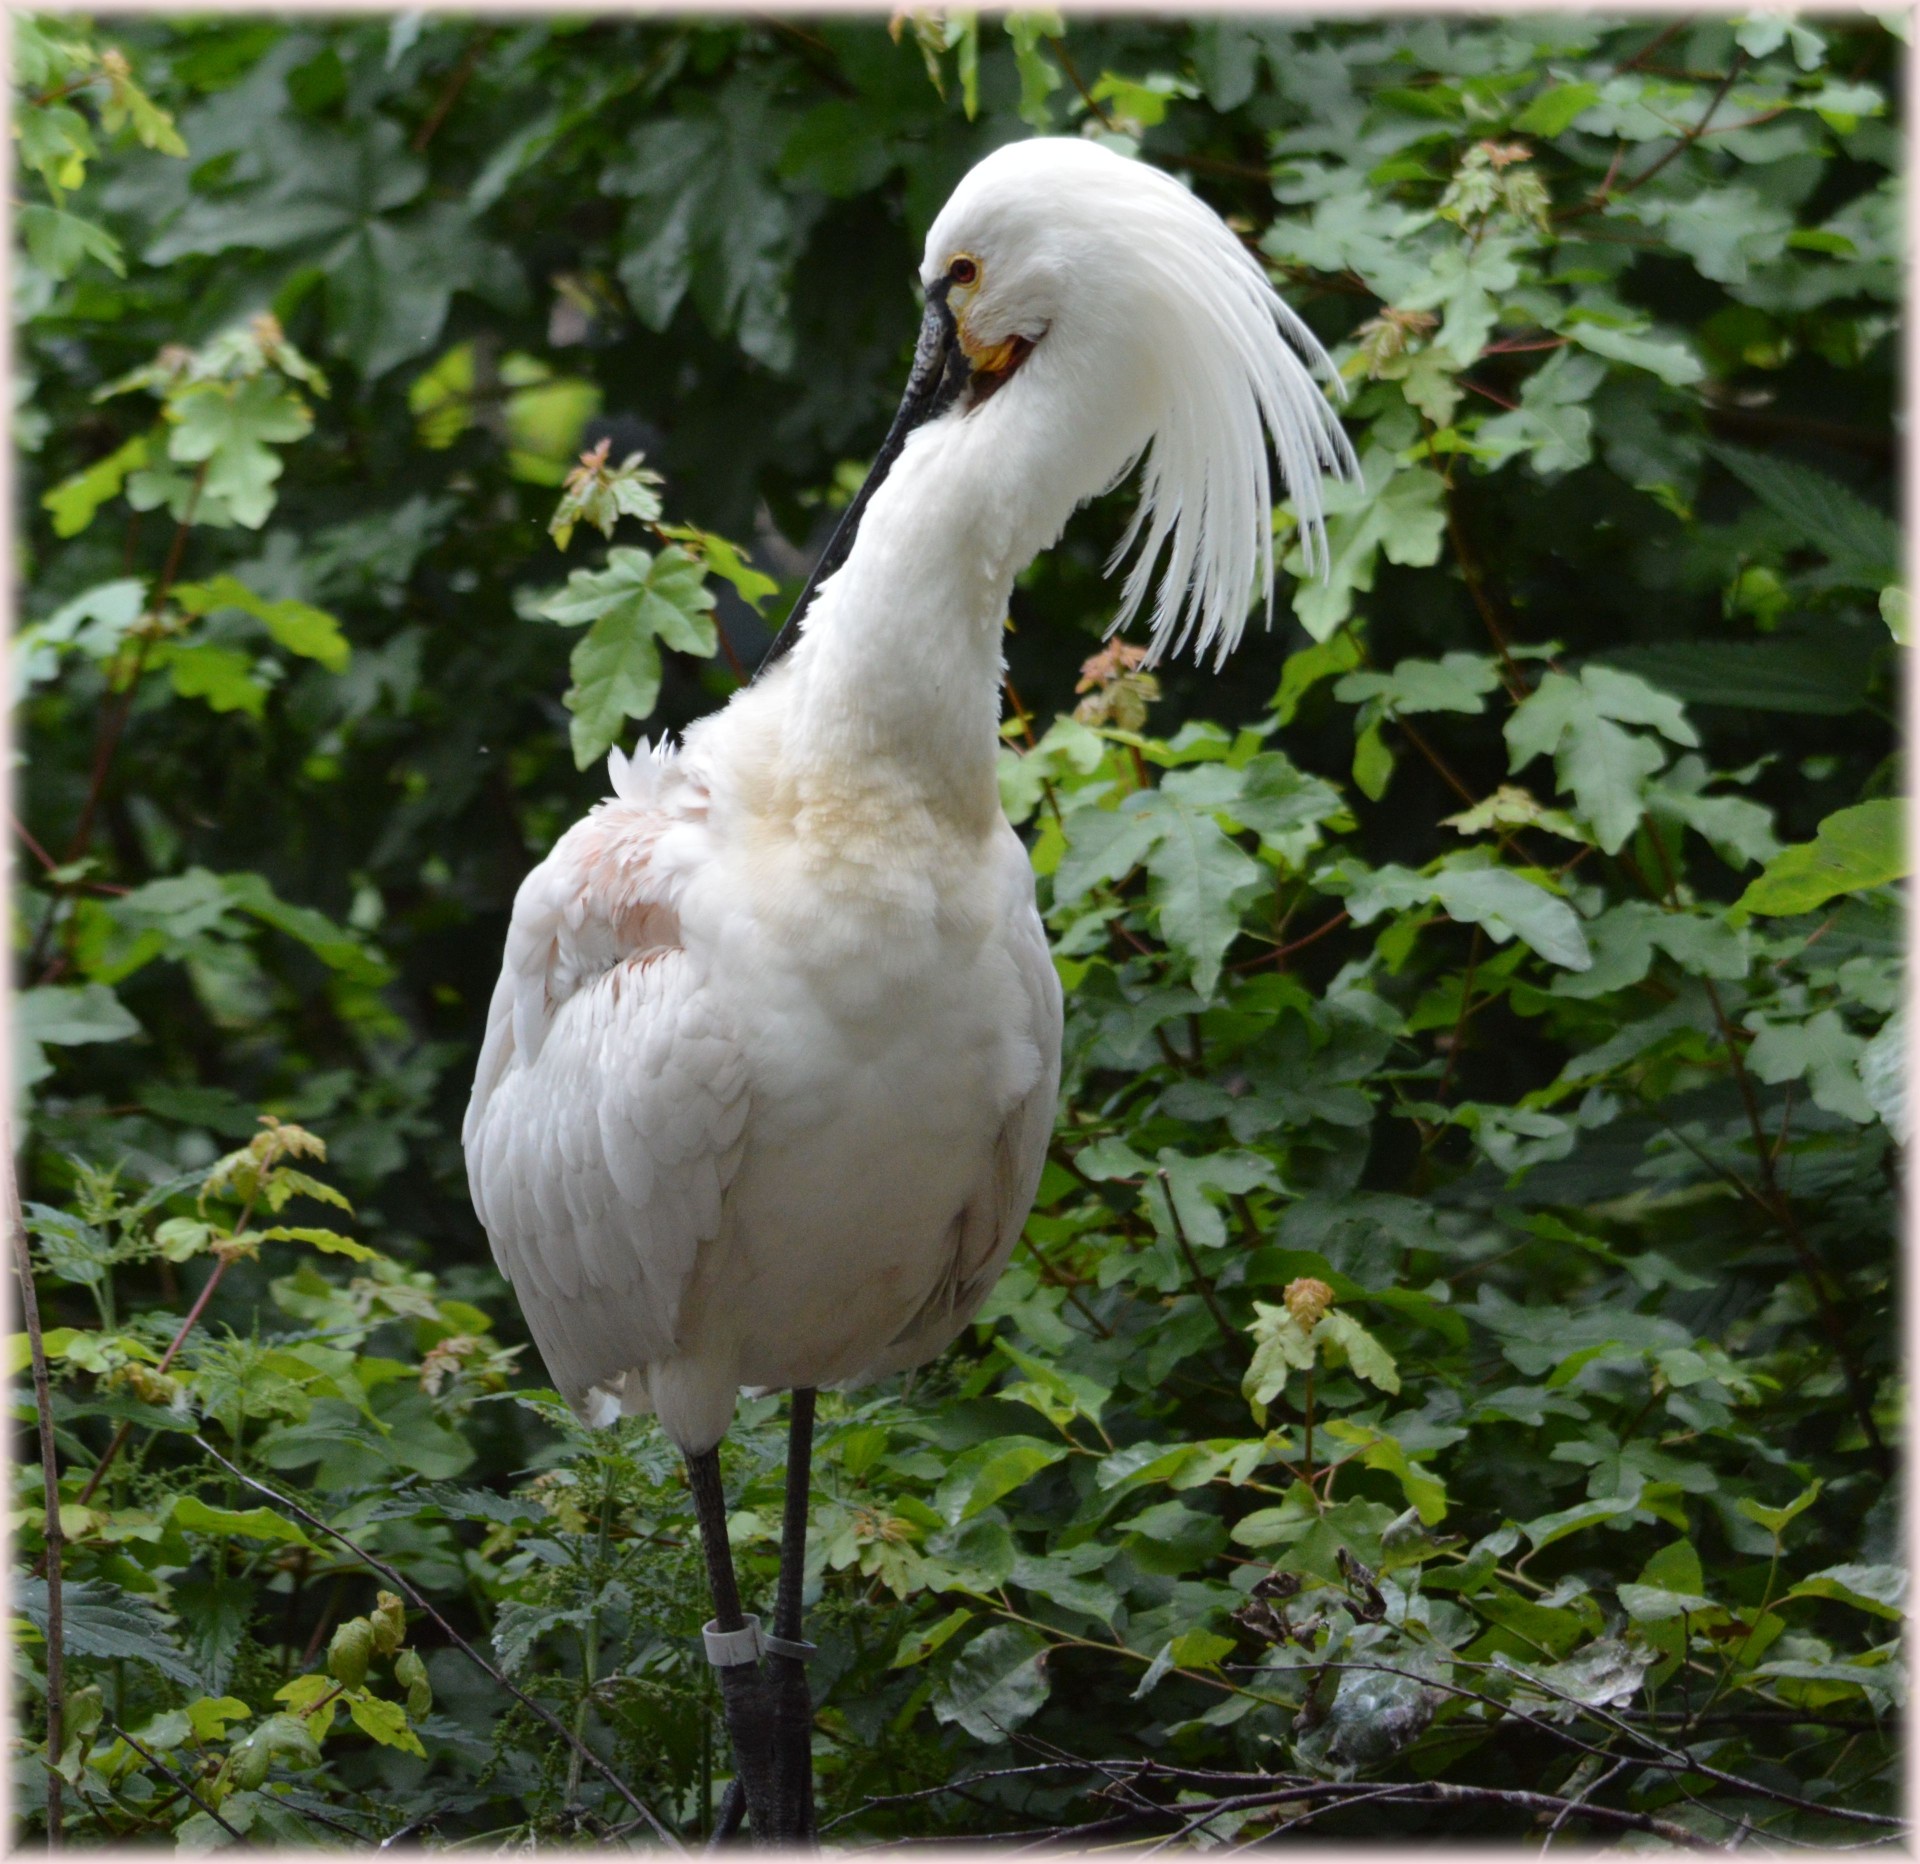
(1454, 1346)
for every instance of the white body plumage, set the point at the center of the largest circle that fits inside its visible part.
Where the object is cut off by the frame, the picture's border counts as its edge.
(771, 1066)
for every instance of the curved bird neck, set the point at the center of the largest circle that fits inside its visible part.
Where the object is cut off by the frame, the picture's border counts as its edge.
(894, 688)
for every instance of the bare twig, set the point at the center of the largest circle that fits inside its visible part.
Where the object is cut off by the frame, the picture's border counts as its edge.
(1235, 1344)
(154, 1760)
(186, 1326)
(50, 1488)
(451, 94)
(1073, 71)
(419, 1598)
(1685, 141)
(113, 718)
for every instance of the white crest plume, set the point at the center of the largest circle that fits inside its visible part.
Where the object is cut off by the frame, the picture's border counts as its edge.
(1237, 360)
(1201, 358)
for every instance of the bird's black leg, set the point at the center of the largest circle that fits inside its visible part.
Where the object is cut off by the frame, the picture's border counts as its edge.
(787, 1649)
(746, 1692)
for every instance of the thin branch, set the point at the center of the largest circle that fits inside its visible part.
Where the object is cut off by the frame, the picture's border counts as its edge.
(50, 1488)
(419, 1598)
(186, 1326)
(1235, 1343)
(113, 718)
(1054, 1279)
(154, 1760)
(1474, 576)
(1073, 71)
(451, 94)
(1433, 757)
(1685, 141)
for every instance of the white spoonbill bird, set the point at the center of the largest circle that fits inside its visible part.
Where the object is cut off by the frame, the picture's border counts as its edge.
(770, 1069)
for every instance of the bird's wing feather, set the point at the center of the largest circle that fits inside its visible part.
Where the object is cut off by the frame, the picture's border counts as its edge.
(990, 1222)
(609, 1101)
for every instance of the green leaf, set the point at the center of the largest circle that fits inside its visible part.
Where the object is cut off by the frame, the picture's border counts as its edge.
(328, 1242)
(199, 1517)
(917, 1646)
(232, 427)
(385, 1721)
(1545, 1529)
(74, 501)
(210, 1716)
(1554, 110)
(1552, 425)
(637, 604)
(1853, 849)
(60, 243)
(726, 561)
(299, 627)
(1799, 673)
(997, 1684)
(1039, 76)
(1454, 683)
(1200, 879)
(64, 1016)
(1822, 1051)
(980, 1476)
(1776, 1520)
(1667, 357)
(1506, 903)
(1863, 544)
(1578, 723)
(101, 1620)
(95, 623)
(222, 676)
(1881, 1590)
(1368, 1358)
(1395, 512)
(601, 495)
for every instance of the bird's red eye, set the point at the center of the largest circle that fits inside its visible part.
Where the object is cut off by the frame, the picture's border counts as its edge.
(963, 271)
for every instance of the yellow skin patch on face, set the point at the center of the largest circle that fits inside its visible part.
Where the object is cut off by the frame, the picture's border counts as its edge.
(990, 358)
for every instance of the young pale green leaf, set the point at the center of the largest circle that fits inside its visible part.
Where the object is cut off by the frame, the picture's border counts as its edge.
(73, 502)
(385, 1721)
(917, 1646)
(231, 428)
(222, 676)
(1822, 1051)
(199, 1517)
(299, 627)
(1368, 1358)
(328, 1242)
(632, 608)
(1853, 849)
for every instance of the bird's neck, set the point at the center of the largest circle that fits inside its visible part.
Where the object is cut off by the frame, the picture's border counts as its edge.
(894, 687)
